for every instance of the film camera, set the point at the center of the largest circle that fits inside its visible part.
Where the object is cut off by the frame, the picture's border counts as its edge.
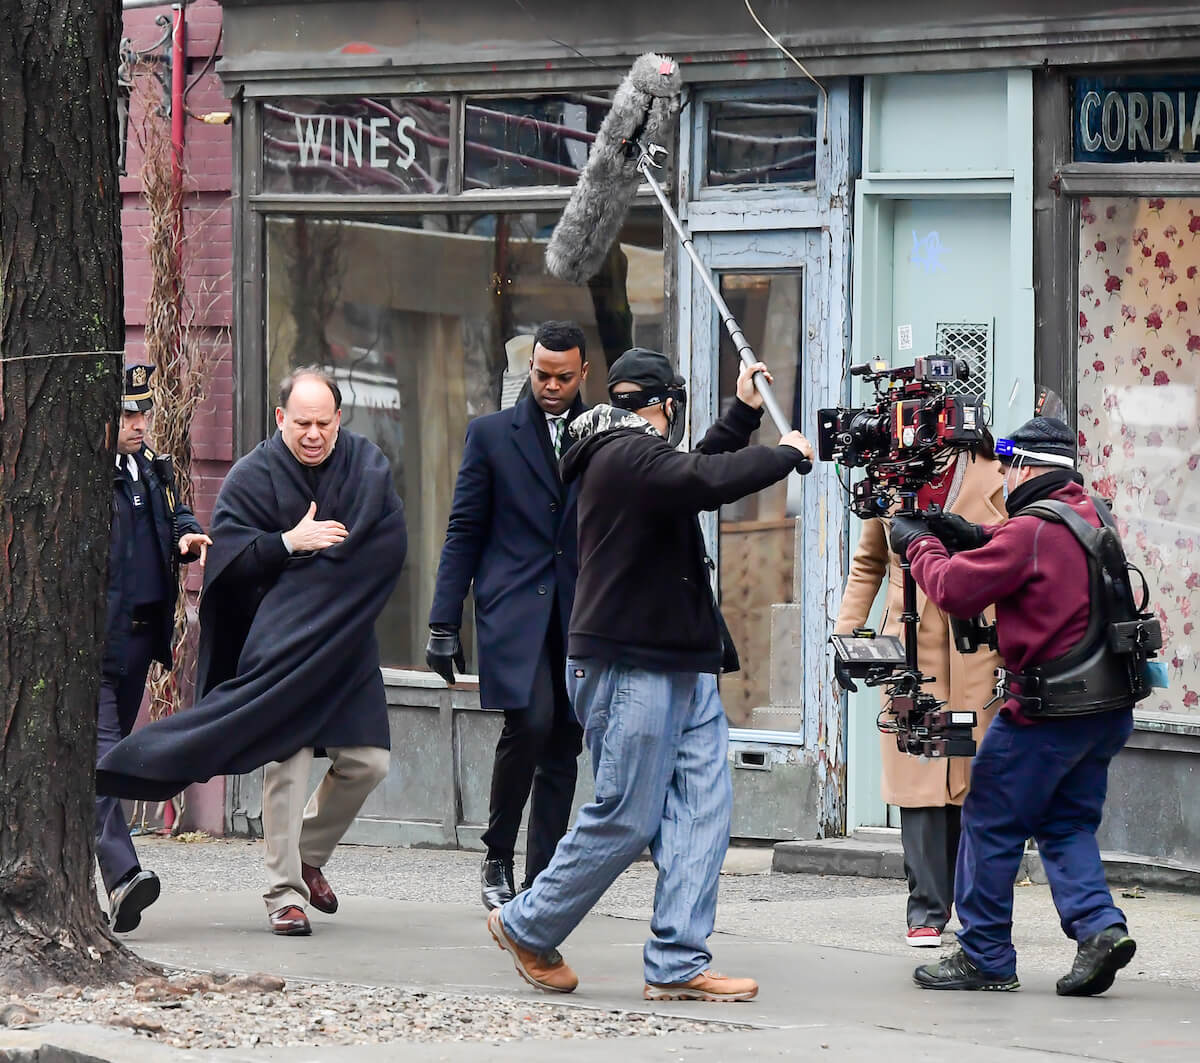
(898, 438)
(899, 441)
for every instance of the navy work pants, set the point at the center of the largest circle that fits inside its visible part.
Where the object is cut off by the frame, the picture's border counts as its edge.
(1048, 782)
(120, 699)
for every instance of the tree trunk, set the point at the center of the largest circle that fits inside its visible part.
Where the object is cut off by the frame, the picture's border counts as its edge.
(60, 291)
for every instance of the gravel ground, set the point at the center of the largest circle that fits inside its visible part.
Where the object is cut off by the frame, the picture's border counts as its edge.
(452, 876)
(206, 1012)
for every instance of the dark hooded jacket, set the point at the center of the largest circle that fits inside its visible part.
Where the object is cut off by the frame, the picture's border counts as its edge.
(643, 597)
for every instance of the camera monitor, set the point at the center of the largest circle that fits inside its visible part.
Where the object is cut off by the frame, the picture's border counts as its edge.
(865, 654)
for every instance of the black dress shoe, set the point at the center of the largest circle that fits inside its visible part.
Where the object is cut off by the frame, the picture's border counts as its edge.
(496, 878)
(129, 897)
(1097, 962)
(958, 972)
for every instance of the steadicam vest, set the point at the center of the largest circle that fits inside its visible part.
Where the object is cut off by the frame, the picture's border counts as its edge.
(1106, 670)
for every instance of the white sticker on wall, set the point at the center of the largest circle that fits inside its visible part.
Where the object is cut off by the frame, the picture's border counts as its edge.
(904, 337)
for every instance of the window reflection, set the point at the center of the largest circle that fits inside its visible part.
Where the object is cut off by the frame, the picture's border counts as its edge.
(527, 141)
(758, 532)
(426, 321)
(352, 144)
(761, 142)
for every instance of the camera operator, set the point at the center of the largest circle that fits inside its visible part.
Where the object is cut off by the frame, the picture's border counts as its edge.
(930, 791)
(1042, 768)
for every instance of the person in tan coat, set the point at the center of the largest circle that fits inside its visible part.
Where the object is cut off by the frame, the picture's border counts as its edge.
(930, 793)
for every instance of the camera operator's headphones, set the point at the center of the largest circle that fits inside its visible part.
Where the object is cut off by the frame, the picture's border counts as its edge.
(639, 400)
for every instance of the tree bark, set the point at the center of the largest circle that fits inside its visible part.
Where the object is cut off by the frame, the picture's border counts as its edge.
(60, 291)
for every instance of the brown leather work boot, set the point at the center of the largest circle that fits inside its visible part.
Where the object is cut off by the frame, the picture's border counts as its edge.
(542, 972)
(708, 985)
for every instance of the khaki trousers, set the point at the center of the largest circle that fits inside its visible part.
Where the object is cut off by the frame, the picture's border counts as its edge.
(296, 832)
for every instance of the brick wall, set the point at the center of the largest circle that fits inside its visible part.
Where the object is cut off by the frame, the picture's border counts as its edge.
(208, 250)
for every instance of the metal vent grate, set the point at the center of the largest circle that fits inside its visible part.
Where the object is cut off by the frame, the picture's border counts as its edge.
(971, 341)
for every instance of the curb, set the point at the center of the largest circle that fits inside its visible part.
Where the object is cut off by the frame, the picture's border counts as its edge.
(885, 859)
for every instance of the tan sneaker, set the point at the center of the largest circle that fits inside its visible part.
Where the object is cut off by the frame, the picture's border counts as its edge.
(708, 985)
(542, 972)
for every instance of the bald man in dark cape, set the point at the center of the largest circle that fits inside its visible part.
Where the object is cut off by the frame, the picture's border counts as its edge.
(288, 662)
(288, 655)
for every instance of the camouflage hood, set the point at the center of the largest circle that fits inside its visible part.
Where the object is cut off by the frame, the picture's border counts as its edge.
(604, 418)
(596, 426)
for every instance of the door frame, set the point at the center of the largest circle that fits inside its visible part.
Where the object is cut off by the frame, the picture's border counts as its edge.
(780, 228)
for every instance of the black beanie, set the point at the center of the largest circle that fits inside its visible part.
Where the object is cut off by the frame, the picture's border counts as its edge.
(644, 367)
(1043, 435)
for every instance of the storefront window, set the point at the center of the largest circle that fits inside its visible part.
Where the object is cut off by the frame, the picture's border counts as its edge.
(758, 532)
(527, 141)
(1139, 405)
(426, 320)
(398, 145)
(762, 142)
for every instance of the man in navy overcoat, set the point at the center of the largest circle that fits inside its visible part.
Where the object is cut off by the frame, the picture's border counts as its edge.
(512, 533)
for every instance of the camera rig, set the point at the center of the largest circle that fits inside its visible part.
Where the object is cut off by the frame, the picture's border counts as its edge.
(898, 438)
(899, 441)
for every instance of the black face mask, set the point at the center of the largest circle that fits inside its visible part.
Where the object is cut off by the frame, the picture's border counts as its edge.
(639, 400)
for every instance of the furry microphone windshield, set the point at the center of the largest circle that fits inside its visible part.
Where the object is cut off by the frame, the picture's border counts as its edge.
(644, 108)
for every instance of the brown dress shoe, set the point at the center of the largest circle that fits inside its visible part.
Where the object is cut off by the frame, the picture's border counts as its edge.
(708, 985)
(290, 922)
(542, 972)
(320, 893)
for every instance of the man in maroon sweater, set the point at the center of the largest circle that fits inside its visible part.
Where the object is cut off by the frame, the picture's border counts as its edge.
(1044, 778)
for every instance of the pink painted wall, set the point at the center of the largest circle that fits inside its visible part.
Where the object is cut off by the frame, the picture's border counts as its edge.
(208, 250)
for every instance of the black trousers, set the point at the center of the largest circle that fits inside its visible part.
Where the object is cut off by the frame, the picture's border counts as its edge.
(120, 699)
(929, 837)
(537, 753)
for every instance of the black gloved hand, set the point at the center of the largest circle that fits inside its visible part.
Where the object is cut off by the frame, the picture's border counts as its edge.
(444, 651)
(905, 531)
(957, 533)
(842, 674)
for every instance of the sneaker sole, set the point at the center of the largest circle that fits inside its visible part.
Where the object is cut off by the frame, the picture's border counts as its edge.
(1102, 981)
(659, 993)
(925, 943)
(504, 943)
(993, 987)
(129, 915)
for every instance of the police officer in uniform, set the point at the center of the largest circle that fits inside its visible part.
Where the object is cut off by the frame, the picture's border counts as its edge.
(1068, 696)
(152, 532)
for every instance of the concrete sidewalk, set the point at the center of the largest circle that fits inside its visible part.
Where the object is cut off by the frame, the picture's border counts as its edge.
(834, 972)
(835, 999)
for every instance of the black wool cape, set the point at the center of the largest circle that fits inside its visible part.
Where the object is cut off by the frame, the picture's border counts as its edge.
(299, 665)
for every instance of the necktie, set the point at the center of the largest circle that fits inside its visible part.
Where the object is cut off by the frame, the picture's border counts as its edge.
(556, 434)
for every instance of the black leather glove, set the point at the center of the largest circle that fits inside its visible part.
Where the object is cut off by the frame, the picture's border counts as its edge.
(905, 531)
(444, 651)
(842, 675)
(957, 533)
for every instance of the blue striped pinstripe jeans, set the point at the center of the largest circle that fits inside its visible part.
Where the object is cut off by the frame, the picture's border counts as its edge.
(658, 743)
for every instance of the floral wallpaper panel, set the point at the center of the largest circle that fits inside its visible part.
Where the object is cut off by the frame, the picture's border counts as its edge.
(1139, 406)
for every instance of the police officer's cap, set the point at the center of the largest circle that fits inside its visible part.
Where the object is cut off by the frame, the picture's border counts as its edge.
(1040, 441)
(137, 398)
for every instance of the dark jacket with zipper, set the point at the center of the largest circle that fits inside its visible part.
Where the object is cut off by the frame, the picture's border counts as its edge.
(643, 596)
(171, 521)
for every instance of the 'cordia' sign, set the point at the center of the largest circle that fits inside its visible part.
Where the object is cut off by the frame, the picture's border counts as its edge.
(1141, 119)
